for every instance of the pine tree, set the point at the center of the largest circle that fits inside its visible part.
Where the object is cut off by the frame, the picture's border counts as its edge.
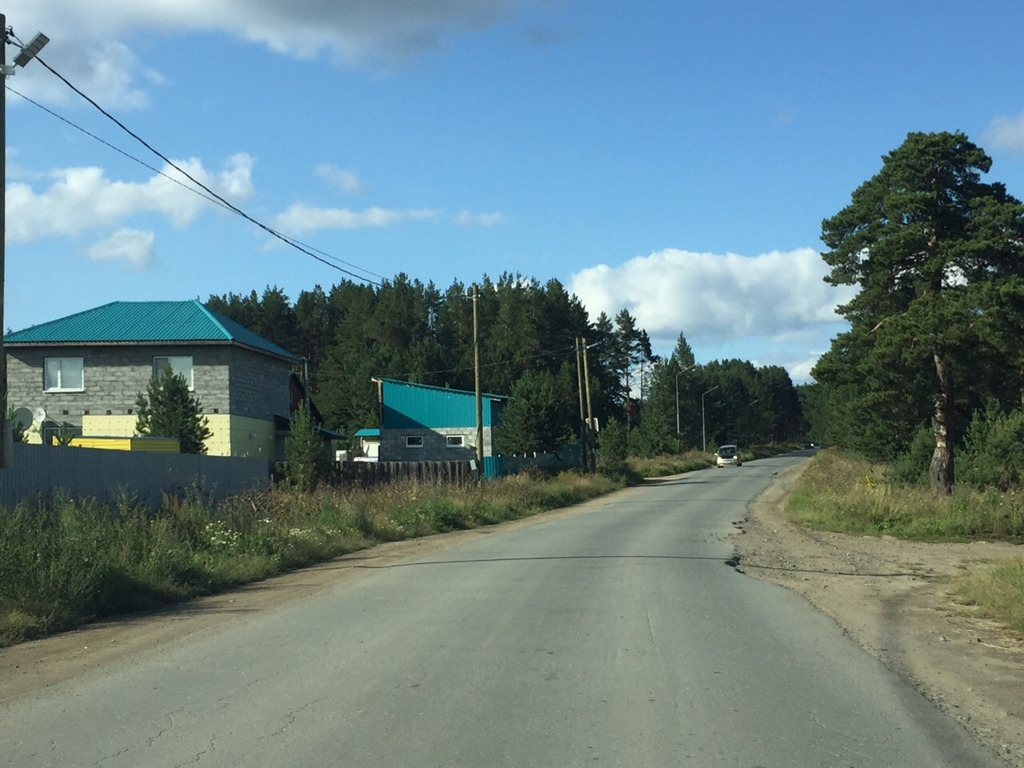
(305, 455)
(170, 410)
(938, 257)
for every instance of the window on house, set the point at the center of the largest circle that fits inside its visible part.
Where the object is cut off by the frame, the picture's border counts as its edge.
(454, 441)
(413, 441)
(181, 365)
(63, 374)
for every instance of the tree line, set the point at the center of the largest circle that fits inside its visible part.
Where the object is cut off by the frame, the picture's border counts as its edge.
(530, 338)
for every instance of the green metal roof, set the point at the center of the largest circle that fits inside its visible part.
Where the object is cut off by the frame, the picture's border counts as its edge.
(145, 322)
(446, 390)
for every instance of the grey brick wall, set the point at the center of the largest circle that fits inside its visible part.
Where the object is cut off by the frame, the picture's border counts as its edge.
(227, 379)
(435, 448)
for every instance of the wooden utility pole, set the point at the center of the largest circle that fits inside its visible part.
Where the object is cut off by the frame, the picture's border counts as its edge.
(583, 415)
(590, 413)
(6, 435)
(479, 394)
(26, 55)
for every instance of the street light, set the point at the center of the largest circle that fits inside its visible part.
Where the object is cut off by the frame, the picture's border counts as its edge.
(26, 55)
(677, 394)
(703, 432)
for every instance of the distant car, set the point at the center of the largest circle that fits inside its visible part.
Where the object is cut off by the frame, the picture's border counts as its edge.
(728, 454)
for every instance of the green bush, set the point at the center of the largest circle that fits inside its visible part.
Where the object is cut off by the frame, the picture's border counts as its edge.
(911, 466)
(993, 454)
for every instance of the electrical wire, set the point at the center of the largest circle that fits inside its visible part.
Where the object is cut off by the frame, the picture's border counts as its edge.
(209, 195)
(563, 352)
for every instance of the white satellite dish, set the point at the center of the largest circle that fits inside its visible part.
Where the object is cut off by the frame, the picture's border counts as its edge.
(39, 414)
(22, 417)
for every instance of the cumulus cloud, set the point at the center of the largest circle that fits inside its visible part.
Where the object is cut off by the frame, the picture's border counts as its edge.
(470, 220)
(339, 178)
(133, 248)
(719, 300)
(300, 219)
(81, 199)
(90, 39)
(1006, 133)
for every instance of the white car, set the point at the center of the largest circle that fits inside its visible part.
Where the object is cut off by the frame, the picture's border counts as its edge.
(728, 454)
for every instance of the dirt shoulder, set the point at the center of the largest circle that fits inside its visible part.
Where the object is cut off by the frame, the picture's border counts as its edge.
(894, 599)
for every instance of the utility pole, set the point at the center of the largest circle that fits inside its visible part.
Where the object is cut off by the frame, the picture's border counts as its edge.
(584, 439)
(479, 394)
(6, 435)
(590, 413)
(24, 57)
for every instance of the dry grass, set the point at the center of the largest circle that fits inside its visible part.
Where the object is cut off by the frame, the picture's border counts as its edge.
(76, 561)
(996, 593)
(839, 492)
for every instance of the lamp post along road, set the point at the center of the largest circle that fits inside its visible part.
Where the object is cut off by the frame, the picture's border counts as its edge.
(26, 55)
(677, 394)
(703, 431)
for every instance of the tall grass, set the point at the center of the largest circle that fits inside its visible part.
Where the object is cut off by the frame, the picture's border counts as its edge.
(671, 464)
(996, 593)
(74, 561)
(842, 493)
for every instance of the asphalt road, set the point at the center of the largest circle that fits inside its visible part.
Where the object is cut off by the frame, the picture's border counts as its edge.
(617, 636)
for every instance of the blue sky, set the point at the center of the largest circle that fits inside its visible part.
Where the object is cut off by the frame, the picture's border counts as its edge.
(675, 159)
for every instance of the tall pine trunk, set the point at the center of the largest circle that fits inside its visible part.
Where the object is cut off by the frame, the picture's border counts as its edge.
(940, 471)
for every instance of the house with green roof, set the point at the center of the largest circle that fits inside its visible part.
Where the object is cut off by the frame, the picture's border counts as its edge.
(87, 371)
(419, 422)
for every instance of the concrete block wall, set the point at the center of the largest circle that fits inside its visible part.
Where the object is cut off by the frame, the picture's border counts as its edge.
(258, 385)
(227, 381)
(435, 447)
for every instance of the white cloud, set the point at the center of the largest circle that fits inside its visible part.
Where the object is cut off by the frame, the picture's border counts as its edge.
(300, 219)
(82, 199)
(342, 180)
(470, 220)
(132, 247)
(722, 301)
(90, 40)
(1006, 133)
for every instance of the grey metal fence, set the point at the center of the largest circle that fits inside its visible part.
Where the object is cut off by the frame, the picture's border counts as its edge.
(37, 471)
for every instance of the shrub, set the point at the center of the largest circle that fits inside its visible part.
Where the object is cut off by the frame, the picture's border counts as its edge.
(993, 454)
(911, 466)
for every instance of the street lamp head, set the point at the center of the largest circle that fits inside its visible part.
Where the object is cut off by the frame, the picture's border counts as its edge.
(29, 51)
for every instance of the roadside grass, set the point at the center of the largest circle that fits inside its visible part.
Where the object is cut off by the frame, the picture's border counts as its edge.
(668, 464)
(665, 465)
(74, 561)
(840, 492)
(996, 593)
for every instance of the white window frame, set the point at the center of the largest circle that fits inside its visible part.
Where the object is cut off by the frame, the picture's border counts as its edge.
(414, 441)
(455, 441)
(61, 384)
(178, 364)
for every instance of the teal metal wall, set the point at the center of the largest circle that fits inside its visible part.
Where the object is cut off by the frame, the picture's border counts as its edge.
(417, 406)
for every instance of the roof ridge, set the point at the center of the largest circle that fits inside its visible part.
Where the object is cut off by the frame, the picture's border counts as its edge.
(214, 317)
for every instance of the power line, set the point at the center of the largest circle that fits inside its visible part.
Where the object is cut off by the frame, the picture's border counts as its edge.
(210, 195)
